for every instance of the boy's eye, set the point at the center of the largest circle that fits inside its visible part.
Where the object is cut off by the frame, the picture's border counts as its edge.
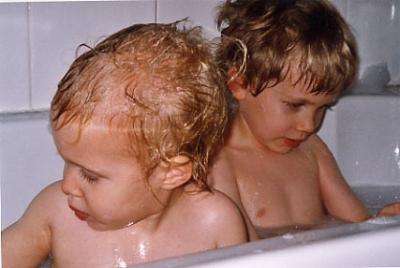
(293, 105)
(87, 177)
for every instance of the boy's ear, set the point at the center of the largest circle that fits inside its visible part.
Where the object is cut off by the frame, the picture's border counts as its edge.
(178, 171)
(236, 84)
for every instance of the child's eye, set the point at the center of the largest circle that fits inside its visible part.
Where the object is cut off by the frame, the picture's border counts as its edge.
(87, 177)
(294, 105)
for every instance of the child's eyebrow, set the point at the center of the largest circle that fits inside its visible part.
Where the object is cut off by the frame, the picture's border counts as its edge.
(91, 172)
(88, 170)
(307, 102)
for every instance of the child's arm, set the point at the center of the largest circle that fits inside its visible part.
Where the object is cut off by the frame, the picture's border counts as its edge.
(339, 200)
(26, 243)
(222, 178)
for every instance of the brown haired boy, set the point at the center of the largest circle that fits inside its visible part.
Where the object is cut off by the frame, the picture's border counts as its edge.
(134, 119)
(286, 63)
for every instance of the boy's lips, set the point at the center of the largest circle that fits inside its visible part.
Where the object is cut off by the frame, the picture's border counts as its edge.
(291, 142)
(79, 214)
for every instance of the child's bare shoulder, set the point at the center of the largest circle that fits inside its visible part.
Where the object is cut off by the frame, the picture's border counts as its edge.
(221, 165)
(214, 208)
(222, 175)
(51, 198)
(35, 224)
(316, 146)
(316, 140)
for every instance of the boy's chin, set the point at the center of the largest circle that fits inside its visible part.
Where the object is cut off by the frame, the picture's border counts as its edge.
(280, 149)
(283, 146)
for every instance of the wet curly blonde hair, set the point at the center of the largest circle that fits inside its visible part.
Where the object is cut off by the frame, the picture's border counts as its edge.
(265, 38)
(157, 82)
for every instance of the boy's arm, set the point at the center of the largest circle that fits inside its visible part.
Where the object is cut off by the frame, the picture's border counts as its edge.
(222, 178)
(26, 243)
(338, 197)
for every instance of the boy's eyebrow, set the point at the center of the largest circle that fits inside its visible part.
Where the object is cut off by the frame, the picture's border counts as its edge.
(95, 173)
(305, 101)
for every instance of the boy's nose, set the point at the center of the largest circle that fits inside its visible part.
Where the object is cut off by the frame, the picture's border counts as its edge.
(308, 124)
(70, 184)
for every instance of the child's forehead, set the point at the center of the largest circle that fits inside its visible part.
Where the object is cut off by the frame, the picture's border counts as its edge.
(96, 129)
(300, 92)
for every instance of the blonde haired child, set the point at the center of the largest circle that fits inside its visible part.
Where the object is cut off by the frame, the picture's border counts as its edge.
(135, 120)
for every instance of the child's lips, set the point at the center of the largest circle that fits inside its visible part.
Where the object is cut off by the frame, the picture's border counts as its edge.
(79, 214)
(291, 142)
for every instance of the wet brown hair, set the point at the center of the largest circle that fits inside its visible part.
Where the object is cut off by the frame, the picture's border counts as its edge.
(156, 82)
(265, 38)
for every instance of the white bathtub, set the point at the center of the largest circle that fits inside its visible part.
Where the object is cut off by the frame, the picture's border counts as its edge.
(363, 132)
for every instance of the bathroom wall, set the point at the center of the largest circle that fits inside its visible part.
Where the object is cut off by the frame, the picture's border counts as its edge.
(38, 42)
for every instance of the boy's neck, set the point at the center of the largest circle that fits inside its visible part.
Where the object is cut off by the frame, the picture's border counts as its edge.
(240, 134)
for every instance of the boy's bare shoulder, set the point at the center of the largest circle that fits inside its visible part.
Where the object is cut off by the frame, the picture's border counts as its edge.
(222, 175)
(222, 168)
(214, 213)
(52, 197)
(36, 224)
(320, 150)
(213, 208)
(316, 140)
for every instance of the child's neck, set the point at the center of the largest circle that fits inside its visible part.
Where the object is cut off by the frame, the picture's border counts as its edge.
(240, 134)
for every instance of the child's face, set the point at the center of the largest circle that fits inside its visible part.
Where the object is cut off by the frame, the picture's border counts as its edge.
(105, 185)
(284, 116)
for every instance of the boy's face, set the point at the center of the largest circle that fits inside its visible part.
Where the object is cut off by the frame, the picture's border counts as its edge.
(105, 185)
(284, 116)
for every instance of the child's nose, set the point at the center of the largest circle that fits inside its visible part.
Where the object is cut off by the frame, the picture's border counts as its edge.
(308, 124)
(70, 184)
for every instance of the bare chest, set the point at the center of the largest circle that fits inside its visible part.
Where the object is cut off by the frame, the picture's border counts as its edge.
(280, 190)
(76, 245)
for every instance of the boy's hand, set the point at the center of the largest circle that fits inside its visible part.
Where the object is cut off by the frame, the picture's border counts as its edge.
(390, 210)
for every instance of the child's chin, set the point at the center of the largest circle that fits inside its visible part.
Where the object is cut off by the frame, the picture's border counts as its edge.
(280, 149)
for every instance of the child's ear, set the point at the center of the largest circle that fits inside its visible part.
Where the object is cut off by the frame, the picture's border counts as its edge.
(236, 84)
(178, 172)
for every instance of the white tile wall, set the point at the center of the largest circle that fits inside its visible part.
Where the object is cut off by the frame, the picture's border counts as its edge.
(29, 161)
(40, 57)
(14, 58)
(377, 29)
(368, 139)
(57, 29)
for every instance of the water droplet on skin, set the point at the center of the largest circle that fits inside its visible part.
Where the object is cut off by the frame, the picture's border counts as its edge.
(119, 262)
(129, 224)
(142, 250)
